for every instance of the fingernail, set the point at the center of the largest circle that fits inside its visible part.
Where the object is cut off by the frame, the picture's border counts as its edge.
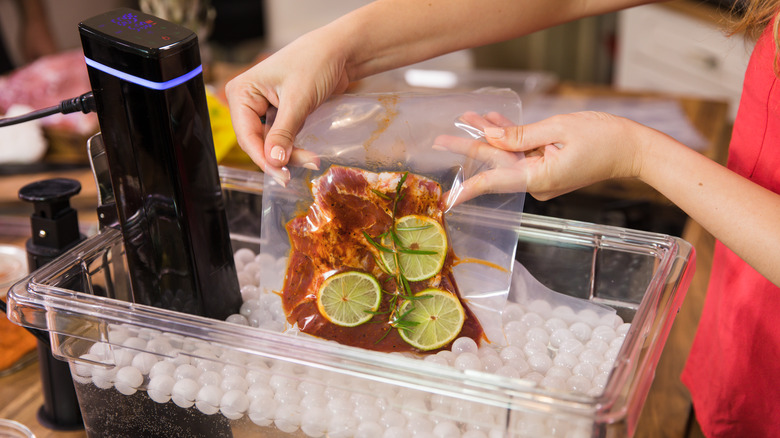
(311, 166)
(438, 147)
(493, 132)
(277, 153)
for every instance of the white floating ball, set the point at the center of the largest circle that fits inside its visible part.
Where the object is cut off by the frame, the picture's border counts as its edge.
(369, 429)
(617, 342)
(447, 356)
(464, 345)
(118, 334)
(184, 391)
(315, 423)
(396, 432)
(533, 348)
(250, 292)
(603, 333)
(144, 362)
(367, 411)
(565, 359)
(540, 363)
(581, 331)
(564, 312)
(237, 318)
(623, 329)
(600, 380)
(559, 335)
(244, 255)
(592, 357)
(160, 387)
(597, 345)
(103, 377)
(262, 411)
(468, 361)
(234, 404)
(611, 320)
(559, 371)
(534, 376)
(578, 384)
(288, 418)
(208, 398)
(531, 319)
(84, 369)
(123, 357)
(474, 434)
(538, 334)
(101, 350)
(571, 346)
(420, 426)
(392, 419)
(434, 358)
(162, 368)
(342, 426)
(446, 429)
(128, 379)
(210, 378)
(554, 323)
(186, 371)
(512, 312)
(515, 338)
(491, 363)
(135, 343)
(510, 353)
(230, 383)
(589, 316)
(521, 365)
(309, 387)
(611, 354)
(553, 382)
(585, 370)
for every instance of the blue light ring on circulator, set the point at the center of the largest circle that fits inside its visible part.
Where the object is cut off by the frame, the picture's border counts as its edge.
(145, 82)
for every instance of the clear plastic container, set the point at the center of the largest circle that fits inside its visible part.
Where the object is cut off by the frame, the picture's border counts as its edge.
(301, 386)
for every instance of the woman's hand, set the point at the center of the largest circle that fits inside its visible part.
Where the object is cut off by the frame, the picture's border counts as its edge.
(295, 80)
(553, 156)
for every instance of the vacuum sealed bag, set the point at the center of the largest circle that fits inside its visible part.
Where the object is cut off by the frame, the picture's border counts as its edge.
(383, 249)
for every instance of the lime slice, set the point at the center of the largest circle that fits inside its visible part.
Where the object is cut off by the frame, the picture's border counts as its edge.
(348, 298)
(433, 322)
(422, 234)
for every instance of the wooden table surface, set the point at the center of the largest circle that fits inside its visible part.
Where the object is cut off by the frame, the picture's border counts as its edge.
(666, 411)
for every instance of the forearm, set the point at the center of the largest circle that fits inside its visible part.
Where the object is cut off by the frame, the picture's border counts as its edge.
(387, 34)
(738, 212)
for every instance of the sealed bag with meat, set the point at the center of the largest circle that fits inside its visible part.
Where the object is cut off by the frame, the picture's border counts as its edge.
(381, 252)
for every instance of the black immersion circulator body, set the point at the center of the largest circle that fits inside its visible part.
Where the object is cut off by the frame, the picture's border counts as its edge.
(161, 157)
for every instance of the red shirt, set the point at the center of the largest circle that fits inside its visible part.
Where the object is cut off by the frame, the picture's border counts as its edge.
(733, 371)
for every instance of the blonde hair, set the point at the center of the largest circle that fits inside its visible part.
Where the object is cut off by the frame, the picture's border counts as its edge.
(752, 17)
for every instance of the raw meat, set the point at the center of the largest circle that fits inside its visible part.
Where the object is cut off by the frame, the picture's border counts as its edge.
(329, 238)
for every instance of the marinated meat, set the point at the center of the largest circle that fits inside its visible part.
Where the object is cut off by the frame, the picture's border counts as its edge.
(329, 238)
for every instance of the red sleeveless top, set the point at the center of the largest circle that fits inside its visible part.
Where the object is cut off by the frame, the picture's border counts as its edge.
(733, 371)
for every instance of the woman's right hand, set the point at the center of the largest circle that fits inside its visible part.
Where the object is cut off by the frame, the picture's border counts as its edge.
(295, 80)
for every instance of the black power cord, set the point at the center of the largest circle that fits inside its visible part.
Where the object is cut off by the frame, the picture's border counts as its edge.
(84, 103)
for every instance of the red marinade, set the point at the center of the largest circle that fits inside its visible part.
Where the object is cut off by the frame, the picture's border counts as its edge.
(329, 238)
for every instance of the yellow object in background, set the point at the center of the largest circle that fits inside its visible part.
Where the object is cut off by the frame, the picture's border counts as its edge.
(221, 126)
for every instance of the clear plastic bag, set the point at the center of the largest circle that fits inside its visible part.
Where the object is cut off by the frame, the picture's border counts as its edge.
(383, 136)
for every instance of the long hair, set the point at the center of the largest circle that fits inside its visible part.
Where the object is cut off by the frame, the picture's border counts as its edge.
(752, 17)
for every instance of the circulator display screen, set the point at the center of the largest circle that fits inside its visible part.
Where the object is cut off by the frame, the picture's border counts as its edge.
(133, 22)
(138, 28)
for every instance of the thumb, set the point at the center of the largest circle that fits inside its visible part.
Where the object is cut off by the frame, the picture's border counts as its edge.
(284, 124)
